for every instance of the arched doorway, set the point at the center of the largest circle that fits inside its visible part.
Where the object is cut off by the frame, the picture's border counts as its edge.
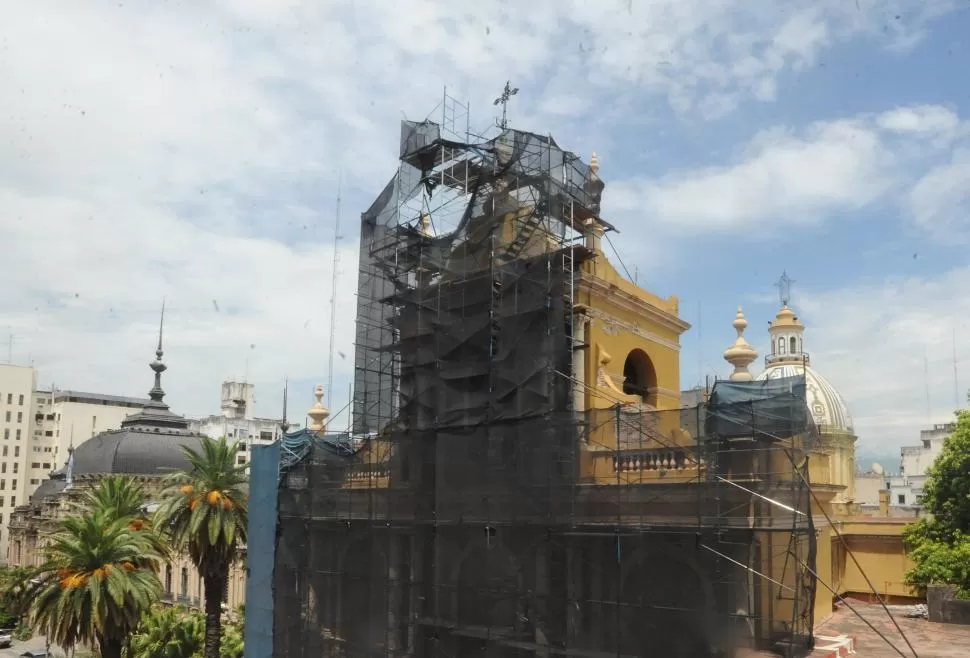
(640, 377)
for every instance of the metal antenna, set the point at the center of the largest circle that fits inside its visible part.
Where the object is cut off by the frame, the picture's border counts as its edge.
(503, 100)
(333, 293)
(784, 288)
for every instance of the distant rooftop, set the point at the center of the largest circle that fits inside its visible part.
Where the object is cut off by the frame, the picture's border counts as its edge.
(98, 398)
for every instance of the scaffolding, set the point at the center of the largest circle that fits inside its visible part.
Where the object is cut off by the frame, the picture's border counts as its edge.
(475, 509)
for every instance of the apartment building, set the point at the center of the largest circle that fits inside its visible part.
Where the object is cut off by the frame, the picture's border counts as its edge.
(38, 426)
(237, 420)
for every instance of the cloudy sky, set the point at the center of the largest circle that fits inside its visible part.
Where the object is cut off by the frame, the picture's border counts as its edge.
(192, 150)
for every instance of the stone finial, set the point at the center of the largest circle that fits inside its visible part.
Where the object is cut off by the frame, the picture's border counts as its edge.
(318, 413)
(425, 224)
(740, 354)
(594, 165)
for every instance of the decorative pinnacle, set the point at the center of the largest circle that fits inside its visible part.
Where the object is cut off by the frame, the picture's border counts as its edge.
(318, 413)
(157, 366)
(740, 354)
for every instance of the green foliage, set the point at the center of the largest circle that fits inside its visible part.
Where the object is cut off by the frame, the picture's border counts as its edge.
(172, 632)
(14, 583)
(204, 513)
(939, 546)
(177, 632)
(23, 632)
(946, 494)
(99, 579)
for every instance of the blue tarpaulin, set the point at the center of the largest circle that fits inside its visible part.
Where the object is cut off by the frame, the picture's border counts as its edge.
(261, 555)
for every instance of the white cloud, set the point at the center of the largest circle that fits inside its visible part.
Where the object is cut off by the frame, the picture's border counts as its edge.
(886, 344)
(192, 150)
(940, 201)
(783, 177)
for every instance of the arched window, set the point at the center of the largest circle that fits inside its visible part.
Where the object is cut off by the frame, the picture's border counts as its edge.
(781, 345)
(793, 350)
(184, 591)
(168, 579)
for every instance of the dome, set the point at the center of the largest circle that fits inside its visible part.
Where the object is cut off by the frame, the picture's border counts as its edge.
(133, 452)
(827, 407)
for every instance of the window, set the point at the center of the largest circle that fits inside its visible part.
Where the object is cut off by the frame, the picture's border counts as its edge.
(9, 398)
(13, 501)
(184, 589)
(8, 416)
(4, 451)
(3, 484)
(16, 467)
(792, 346)
(35, 464)
(18, 435)
(48, 433)
(902, 499)
(241, 460)
(926, 443)
(168, 578)
(47, 465)
(1, 501)
(3, 467)
(16, 451)
(13, 485)
(34, 481)
(20, 416)
(265, 436)
(21, 401)
(6, 434)
(781, 345)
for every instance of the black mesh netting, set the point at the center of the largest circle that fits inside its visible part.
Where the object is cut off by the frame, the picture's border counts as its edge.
(476, 512)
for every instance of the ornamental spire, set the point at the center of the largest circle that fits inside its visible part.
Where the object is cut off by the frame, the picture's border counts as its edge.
(157, 394)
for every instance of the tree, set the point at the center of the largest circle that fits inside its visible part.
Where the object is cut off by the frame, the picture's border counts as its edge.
(14, 583)
(939, 545)
(203, 511)
(171, 632)
(122, 497)
(99, 579)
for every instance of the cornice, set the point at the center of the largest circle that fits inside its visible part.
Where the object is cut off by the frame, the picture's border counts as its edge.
(623, 299)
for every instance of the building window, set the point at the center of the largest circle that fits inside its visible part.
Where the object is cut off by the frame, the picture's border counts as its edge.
(241, 460)
(926, 443)
(34, 481)
(9, 398)
(184, 589)
(902, 499)
(20, 416)
(13, 501)
(6, 434)
(13, 485)
(792, 342)
(49, 433)
(16, 467)
(35, 464)
(16, 451)
(4, 451)
(3, 467)
(21, 401)
(47, 465)
(3, 484)
(8, 416)
(1, 501)
(168, 579)
(18, 435)
(781, 345)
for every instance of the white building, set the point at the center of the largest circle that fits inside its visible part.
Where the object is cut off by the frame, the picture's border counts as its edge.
(17, 385)
(237, 420)
(906, 487)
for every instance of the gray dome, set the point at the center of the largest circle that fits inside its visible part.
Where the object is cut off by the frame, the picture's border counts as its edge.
(133, 451)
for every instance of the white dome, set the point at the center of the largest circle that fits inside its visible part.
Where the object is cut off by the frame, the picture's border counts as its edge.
(827, 407)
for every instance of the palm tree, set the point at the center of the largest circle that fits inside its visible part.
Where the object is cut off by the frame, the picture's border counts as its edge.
(121, 497)
(99, 579)
(203, 511)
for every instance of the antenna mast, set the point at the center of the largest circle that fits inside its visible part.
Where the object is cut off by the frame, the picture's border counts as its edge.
(333, 294)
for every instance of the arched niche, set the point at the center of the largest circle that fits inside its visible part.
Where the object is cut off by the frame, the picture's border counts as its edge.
(640, 377)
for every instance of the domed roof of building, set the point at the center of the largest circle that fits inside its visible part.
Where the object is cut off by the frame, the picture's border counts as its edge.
(788, 358)
(828, 408)
(149, 442)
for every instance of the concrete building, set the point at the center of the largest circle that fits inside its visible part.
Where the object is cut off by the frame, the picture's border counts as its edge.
(237, 420)
(905, 487)
(39, 426)
(17, 386)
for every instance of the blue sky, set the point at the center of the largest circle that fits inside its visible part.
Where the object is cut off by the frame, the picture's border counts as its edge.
(192, 152)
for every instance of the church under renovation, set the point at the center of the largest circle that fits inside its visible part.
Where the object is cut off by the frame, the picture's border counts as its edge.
(523, 477)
